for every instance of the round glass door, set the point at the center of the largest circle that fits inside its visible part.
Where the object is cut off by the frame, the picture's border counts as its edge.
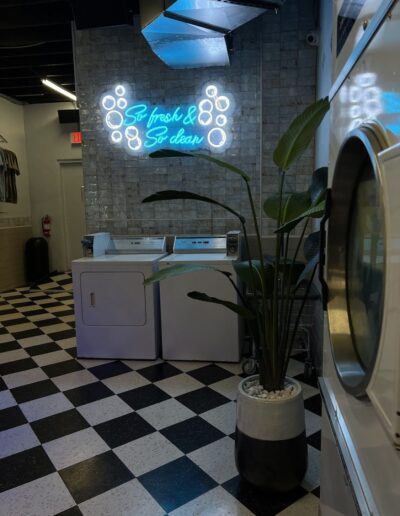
(356, 259)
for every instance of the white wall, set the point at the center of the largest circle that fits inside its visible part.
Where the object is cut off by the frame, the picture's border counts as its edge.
(13, 130)
(47, 143)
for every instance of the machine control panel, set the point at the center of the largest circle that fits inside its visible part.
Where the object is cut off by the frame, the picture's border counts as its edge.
(200, 244)
(136, 244)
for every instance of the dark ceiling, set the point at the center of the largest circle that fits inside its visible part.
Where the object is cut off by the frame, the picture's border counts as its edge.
(36, 42)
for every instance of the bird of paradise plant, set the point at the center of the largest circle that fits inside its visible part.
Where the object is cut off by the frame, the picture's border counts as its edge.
(271, 282)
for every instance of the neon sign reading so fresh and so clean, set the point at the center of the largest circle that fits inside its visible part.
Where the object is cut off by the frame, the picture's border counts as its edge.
(142, 128)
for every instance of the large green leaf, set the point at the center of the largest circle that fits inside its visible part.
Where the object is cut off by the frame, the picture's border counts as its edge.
(319, 183)
(238, 309)
(171, 153)
(314, 212)
(293, 205)
(308, 270)
(179, 270)
(173, 195)
(300, 134)
(243, 270)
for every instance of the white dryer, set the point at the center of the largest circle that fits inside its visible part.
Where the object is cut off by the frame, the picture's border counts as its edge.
(361, 377)
(195, 330)
(116, 315)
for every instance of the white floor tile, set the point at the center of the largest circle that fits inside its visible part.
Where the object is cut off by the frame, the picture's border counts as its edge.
(306, 506)
(217, 459)
(187, 366)
(17, 439)
(6, 400)
(67, 343)
(227, 387)
(136, 365)
(125, 382)
(92, 362)
(21, 327)
(43, 497)
(129, 499)
(311, 479)
(24, 377)
(74, 448)
(223, 417)
(34, 341)
(104, 410)
(308, 390)
(40, 317)
(52, 358)
(232, 368)
(75, 379)
(55, 328)
(9, 317)
(44, 407)
(179, 384)
(67, 318)
(147, 453)
(6, 337)
(216, 502)
(10, 356)
(295, 368)
(165, 414)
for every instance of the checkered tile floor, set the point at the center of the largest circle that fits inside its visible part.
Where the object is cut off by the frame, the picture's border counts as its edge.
(105, 437)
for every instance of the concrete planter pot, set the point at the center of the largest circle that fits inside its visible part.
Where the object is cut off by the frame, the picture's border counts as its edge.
(271, 447)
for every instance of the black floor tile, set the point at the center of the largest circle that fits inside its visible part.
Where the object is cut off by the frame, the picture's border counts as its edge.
(123, 429)
(314, 404)
(210, 374)
(26, 334)
(8, 312)
(192, 434)
(64, 313)
(24, 467)
(159, 372)
(144, 396)
(12, 322)
(60, 335)
(262, 502)
(310, 380)
(34, 390)
(3, 386)
(315, 440)
(95, 476)
(316, 492)
(71, 351)
(109, 370)
(59, 425)
(9, 346)
(11, 417)
(41, 349)
(202, 400)
(17, 366)
(74, 511)
(88, 393)
(68, 366)
(177, 483)
(31, 313)
(48, 322)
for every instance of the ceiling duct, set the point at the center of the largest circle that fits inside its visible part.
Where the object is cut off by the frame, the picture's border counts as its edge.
(192, 33)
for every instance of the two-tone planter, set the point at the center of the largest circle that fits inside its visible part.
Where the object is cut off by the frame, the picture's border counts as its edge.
(271, 447)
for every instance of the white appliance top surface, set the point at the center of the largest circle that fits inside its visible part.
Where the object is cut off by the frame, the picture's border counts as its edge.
(199, 257)
(127, 258)
(136, 244)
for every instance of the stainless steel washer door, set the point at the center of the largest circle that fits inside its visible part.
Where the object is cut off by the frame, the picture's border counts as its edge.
(356, 258)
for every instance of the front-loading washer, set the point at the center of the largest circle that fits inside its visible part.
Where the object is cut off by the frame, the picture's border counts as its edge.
(195, 330)
(361, 372)
(117, 316)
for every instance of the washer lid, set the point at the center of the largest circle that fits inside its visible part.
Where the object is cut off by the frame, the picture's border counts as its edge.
(356, 258)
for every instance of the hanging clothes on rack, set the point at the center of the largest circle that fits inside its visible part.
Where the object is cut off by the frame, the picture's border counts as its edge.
(9, 169)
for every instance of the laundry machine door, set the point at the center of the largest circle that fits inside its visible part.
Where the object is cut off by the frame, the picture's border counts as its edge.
(356, 257)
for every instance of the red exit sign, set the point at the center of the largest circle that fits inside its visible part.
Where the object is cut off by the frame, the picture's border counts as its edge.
(76, 137)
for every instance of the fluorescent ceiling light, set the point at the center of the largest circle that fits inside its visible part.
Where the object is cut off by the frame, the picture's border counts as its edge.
(59, 89)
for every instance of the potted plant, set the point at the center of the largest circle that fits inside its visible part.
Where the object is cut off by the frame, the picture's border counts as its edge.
(271, 448)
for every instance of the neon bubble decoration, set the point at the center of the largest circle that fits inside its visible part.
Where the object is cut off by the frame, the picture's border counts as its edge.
(141, 128)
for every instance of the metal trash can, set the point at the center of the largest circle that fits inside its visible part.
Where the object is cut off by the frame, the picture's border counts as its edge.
(36, 259)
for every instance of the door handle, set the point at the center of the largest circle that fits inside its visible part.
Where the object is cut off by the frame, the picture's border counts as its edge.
(92, 300)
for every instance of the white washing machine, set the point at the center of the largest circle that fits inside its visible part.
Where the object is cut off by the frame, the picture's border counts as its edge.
(196, 330)
(116, 315)
(361, 378)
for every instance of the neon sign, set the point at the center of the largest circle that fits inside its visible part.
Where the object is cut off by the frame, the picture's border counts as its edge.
(141, 128)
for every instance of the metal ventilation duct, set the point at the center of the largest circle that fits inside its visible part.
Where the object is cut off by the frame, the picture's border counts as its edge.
(192, 33)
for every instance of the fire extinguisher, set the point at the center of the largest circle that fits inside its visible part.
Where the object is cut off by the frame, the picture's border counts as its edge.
(46, 225)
